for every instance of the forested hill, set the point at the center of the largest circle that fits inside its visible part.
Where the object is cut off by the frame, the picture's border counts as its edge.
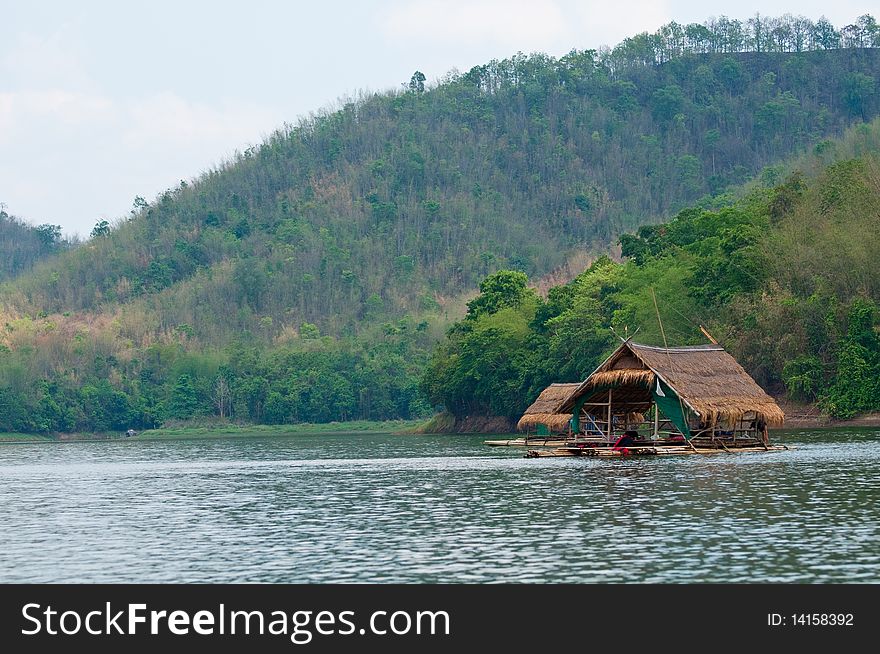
(399, 200)
(23, 245)
(308, 279)
(786, 278)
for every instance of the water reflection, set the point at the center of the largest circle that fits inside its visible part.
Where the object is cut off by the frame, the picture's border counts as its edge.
(368, 508)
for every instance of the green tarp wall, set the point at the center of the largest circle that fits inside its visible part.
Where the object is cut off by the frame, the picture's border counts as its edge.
(670, 406)
(665, 398)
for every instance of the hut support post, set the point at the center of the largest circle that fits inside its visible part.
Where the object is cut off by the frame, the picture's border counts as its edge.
(656, 420)
(610, 435)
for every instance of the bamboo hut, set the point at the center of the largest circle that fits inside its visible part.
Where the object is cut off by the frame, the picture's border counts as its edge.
(698, 392)
(541, 417)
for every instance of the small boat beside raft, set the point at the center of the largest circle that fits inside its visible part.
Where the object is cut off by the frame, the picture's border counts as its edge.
(653, 401)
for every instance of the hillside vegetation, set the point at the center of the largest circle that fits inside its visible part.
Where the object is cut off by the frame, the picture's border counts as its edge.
(308, 279)
(22, 245)
(398, 200)
(786, 278)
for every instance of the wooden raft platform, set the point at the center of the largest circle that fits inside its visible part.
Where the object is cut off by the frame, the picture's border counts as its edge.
(650, 450)
(554, 441)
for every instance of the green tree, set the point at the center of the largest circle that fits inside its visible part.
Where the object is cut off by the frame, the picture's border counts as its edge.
(184, 402)
(803, 377)
(666, 102)
(503, 289)
(105, 408)
(101, 229)
(417, 82)
(858, 89)
(50, 237)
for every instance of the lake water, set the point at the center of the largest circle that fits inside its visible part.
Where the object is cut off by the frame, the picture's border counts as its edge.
(386, 508)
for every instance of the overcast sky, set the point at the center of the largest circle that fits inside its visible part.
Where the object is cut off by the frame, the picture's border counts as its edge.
(103, 101)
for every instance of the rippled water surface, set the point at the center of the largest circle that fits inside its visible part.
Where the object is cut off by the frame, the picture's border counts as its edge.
(387, 508)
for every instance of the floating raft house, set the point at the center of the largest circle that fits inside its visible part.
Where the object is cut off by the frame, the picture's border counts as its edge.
(692, 398)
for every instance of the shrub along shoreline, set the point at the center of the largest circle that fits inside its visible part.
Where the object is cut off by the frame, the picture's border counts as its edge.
(185, 431)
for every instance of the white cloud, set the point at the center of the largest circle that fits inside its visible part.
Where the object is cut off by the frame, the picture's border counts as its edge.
(166, 120)
(52, 60)
(56, 107)
(520, 24)
(76, 150)
(88, 155)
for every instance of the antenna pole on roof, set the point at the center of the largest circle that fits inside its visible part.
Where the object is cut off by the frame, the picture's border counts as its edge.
(708, 335)
(628, 337)
(662, 331)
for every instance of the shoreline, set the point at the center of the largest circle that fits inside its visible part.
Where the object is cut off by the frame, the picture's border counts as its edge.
(808, 416)
(181, 432)
(810, 422)
(797, 417)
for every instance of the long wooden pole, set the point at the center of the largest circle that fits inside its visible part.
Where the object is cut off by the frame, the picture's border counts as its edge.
(666, 347)
(708, 335)
(662, 331)
(610, 435)
(656, 419)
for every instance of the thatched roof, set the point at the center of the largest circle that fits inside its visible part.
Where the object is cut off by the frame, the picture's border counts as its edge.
(706, 378)
(542, 411)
